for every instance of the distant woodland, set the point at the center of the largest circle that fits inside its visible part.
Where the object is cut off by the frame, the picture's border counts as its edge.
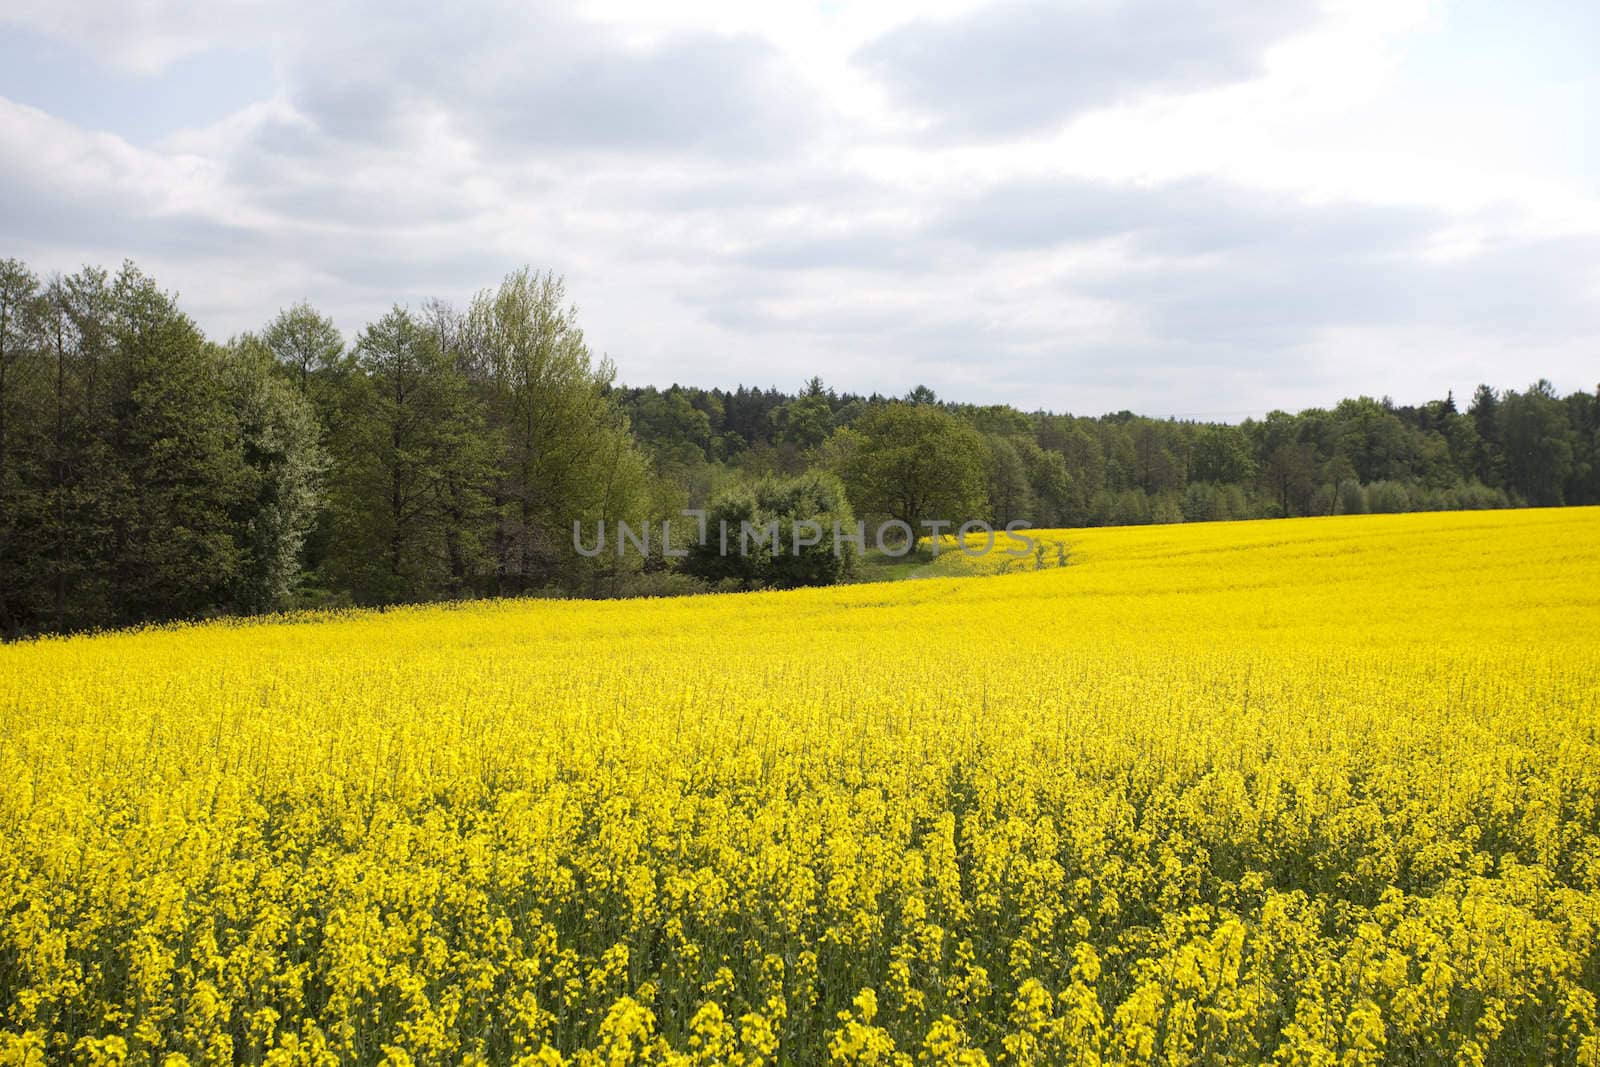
(148, 473)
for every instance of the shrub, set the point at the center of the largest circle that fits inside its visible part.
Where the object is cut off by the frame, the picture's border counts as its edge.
(751, 556)
(1352, 499)
(1388, 498)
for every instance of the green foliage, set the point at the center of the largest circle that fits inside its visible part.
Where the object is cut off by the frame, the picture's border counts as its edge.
(1290, 474)
(21, 336)
(284, 467)
(1375, 440)
(305, 342)
(1209, 502)
(805, 421)
(123, 477)
(1125, 507)
(175, 466)
(678, 432)
(1054, 493)
(1221, 455)
(1538, 443)
(912, 462)
(777, 532)
(1006, 479)
(1388, 498)
(148, 474)
(565, 453)
(1352, 500)
(409, 459)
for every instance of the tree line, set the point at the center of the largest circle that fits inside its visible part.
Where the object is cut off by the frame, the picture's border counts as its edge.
(149, 473)
(1506, 449)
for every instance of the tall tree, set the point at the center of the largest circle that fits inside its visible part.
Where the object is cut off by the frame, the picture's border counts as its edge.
(1051, 487)
(912, 462)
(1375, 440)
(1291, 473)
(284, 467)
(1221, 454)
(1009, 492)
(304, 341)
(176, 467)
(407, 434)
(559, 428)
(20, 325)
(1583, 483)
(74, 526)
(1155, 467)
(1538, 443)
(1485, 414)
(805, 421)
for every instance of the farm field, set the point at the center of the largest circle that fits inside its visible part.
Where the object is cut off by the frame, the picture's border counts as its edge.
(1320, 791)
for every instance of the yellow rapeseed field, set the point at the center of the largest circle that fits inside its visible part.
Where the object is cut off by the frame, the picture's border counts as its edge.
(1323, 791)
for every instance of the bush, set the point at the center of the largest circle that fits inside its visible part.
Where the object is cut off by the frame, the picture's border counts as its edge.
(1130, 507)
(628, 585)
(1475, 496)
(1166, 509)
(1352, 499)
(1200, 502)
(1388, 498)
(751, 557)
(1233, 504)
(1323, 501)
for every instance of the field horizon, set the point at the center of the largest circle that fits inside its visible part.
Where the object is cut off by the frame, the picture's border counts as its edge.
(950, 563)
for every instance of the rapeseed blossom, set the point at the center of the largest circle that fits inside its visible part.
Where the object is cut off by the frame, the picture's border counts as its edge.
(1316, 792)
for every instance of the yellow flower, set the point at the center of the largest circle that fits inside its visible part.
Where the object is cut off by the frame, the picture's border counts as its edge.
(1312, 792)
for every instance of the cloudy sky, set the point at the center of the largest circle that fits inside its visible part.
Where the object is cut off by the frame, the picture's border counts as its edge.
(1174, 206)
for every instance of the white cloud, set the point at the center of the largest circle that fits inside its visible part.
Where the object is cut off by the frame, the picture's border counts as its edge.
(1231, 217)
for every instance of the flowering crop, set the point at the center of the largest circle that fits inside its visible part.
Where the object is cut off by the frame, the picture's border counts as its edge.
(1321, 792)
